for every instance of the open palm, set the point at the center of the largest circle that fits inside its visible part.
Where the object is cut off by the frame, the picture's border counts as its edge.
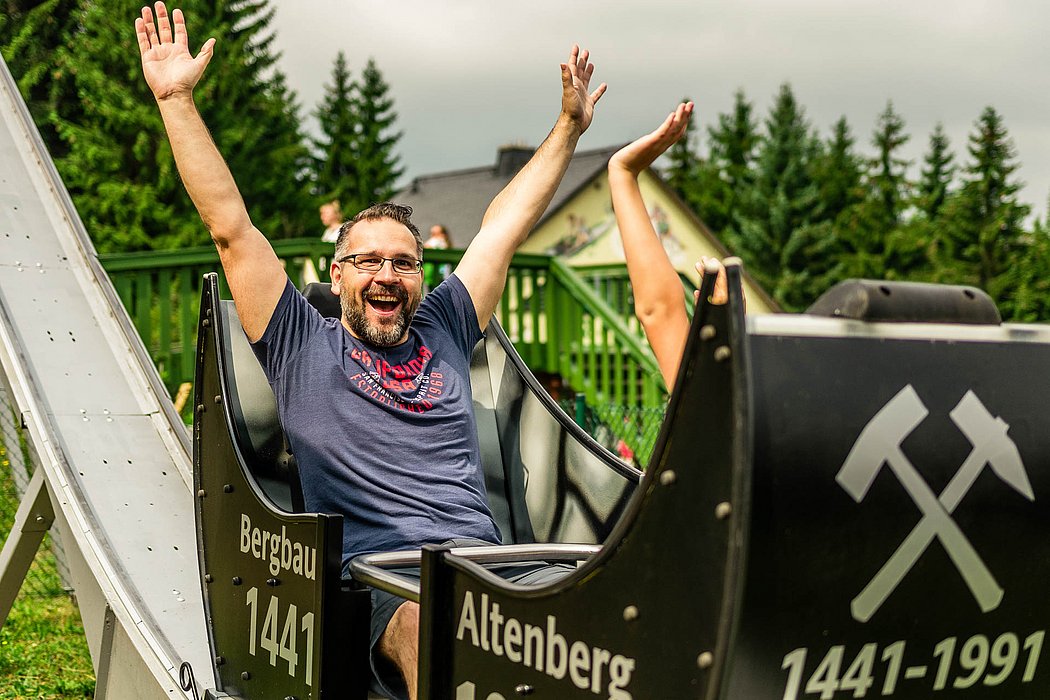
(164, 47)
(640, 154)
(577, 102)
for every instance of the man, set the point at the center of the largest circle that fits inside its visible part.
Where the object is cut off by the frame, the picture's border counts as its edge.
(377, 406)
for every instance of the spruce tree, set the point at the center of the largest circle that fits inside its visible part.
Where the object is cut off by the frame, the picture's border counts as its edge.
(778, 204)
(111, 165)
(1032, 302)
(119, 167)
(336, 158)
(875, 241)
(838, 173)
(727, 170)
(983, 241)
(733, 142)
(254, 116)
(888, 182)
(375, 161)
(14, 16)
(279, 196)
(1031, 299)
(937, 173)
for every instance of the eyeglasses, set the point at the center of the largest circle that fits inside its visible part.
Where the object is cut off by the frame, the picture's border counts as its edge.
(370, 262)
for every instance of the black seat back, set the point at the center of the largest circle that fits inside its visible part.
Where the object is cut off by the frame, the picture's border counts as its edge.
(256, 426)
(547, 479)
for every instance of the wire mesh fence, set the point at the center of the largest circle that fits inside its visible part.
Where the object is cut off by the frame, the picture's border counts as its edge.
(48, 576)
(642, 426)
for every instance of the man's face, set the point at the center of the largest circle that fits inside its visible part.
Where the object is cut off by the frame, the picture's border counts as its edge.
(378, 306)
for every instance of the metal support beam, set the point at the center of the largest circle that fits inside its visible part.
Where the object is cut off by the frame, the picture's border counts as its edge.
(32, 521)
(105, 655)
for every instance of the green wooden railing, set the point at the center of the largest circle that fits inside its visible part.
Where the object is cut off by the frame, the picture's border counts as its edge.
(561, 323)
(612, 284)
(558, 321)
(161, 292)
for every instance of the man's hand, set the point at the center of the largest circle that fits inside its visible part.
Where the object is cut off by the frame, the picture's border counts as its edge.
(166, 61)
(516, 209)
(639, 155)
(577, 103)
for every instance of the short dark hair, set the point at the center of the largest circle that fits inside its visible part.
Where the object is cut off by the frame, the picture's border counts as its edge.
(401, 213)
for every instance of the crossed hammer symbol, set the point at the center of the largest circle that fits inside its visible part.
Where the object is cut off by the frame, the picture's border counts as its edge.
(879, 443)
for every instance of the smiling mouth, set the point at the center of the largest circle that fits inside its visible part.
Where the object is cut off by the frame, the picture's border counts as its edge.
(384, 304)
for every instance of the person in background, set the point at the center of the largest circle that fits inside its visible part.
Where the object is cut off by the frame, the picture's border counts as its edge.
(332, 218)
(658, 298)
(438, 240)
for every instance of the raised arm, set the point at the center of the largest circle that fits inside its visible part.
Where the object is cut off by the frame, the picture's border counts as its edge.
(512, 214)
(658, 297)
(254, 272)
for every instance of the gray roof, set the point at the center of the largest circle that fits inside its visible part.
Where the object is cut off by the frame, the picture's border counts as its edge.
(458, 198)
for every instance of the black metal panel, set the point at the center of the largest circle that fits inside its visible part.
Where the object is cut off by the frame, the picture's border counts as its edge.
(867, 446)
(651, 615)
(267, 575)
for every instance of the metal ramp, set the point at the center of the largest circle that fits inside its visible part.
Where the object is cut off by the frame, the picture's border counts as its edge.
(114, 459)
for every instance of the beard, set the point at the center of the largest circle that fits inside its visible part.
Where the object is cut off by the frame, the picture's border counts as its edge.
(356, 314)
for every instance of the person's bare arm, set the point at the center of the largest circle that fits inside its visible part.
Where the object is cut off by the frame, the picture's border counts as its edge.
(512, 214)
(658, 296)
(255, 274)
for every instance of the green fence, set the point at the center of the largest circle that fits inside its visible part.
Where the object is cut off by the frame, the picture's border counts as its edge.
(161, 292)
(559, 321)
(611, 283)
(562, 324)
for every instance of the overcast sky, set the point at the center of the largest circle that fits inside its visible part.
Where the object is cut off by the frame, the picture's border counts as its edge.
(470, 75)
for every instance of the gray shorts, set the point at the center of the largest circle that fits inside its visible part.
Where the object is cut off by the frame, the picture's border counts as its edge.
(386, 679)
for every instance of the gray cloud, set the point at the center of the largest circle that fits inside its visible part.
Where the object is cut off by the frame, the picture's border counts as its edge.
(469, 75)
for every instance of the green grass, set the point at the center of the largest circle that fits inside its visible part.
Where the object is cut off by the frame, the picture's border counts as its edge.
(43, 653)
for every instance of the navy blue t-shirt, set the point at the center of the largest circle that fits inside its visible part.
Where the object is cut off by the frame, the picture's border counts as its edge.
(384, 436)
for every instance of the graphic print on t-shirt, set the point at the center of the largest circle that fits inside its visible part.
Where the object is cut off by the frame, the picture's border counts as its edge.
(410, 386)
